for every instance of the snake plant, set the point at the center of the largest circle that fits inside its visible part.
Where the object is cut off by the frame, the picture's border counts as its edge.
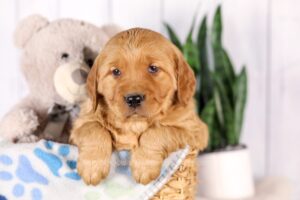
(221, 92)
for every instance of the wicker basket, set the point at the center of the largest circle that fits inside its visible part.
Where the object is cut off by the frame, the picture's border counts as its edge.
(182, 184)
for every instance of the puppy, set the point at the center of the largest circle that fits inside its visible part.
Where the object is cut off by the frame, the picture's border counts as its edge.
(141, 99)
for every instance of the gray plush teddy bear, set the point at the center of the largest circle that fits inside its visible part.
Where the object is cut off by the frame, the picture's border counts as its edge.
(56, 58)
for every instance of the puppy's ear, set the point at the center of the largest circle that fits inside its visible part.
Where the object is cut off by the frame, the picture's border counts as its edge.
(186, 82)
(92, 84)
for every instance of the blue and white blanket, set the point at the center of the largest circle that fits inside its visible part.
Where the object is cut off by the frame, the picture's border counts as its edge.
(47, 170)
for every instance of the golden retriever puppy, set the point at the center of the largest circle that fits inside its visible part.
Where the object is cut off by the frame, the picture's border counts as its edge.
(141, 99)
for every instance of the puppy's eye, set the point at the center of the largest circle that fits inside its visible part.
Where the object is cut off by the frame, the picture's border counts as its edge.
(64, 55)
(116, 72)
(89, 62)
(153, 69)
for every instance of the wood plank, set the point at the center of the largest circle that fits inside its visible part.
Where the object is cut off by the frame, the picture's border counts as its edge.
(8, 59)
(47, 8)
(179, 15)
(245, 37)
(288, 9)
(285, 93)
(93, 11)
(137, 13)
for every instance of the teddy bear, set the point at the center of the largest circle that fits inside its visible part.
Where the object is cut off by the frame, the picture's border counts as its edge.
(56, 59)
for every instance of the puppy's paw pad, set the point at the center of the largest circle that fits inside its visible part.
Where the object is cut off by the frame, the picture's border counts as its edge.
(93, 171)
(145, 177)
(145, 171)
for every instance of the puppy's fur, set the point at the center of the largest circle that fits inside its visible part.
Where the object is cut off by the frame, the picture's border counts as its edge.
(164, 122)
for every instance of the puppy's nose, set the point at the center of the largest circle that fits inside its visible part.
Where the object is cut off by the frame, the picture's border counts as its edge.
(134, 100)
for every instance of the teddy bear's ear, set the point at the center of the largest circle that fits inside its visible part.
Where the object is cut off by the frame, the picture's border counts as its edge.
(27, 28)
(111, 29)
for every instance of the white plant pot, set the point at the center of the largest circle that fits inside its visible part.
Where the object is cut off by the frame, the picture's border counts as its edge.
(225, 175)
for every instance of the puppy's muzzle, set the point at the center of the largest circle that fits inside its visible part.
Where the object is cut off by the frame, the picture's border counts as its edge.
(134, 100)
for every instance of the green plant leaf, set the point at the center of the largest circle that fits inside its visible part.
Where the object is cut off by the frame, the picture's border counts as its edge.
(219, 109)
(190, 53)
(224, 69)
(240, 100)
(217, 27)
(222, 60)
(191, 31)
(173, 37)
(228, 66)
(228, 74)
(228, 113)
(201, 37)
(206, 84)
(190, 50)
(207, 116)
(222, 64)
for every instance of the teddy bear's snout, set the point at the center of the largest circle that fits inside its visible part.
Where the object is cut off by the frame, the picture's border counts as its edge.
(70, 80)
(79, 76)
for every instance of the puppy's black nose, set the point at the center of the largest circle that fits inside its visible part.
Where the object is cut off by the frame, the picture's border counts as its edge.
(134, 100)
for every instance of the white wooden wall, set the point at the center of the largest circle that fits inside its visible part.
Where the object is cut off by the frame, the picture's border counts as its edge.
(263, 34)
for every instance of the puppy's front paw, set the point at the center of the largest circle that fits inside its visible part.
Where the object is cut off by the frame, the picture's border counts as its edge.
(145, 168)
(93, 167)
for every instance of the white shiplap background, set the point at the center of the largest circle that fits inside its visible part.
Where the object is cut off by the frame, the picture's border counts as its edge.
(263, 34)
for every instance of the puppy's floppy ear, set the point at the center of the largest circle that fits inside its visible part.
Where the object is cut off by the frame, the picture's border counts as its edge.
(92, 84)
(186, 82)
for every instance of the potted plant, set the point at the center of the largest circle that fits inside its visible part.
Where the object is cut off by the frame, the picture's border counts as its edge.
(221, 94)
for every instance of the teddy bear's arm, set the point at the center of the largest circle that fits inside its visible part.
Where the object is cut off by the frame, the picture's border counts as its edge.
(20, 123)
